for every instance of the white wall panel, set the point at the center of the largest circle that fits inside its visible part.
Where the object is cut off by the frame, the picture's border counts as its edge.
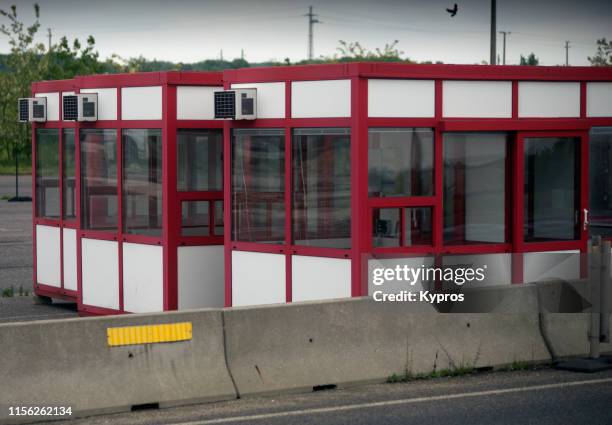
(318, 278)
(107, 103)
(100, 273)
(195, 102)
(393, 287)
(257, 278)
(551, 265)
(70, 259)
(599, 99)
(477, 99)
(321, 99)
(401, 98)
(52, 105)
(548, 99)
(141, 103)
(143, 280)
(48, 270)
(497, 268)
(270, 98)
(201, 277)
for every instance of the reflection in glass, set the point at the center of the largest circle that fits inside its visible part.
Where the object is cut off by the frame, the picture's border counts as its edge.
(98, 179)
(551, 189)
(200, 160)
(600, 181)
(69, 180)
(258, 185)
(322, 187)
(386, 227)
(142, 182)
(417, 226)
(475, 181)
(47, 173)
(400, 162)
(195, 218)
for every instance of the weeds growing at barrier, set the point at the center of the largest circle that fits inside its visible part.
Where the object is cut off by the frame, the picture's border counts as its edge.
(10, 292)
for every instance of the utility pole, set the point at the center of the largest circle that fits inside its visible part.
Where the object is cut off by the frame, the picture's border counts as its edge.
(221, 55)
(504, 33)
(567, 46)
(493, 32)
(311, 21)
(49, 36)
(242, 54)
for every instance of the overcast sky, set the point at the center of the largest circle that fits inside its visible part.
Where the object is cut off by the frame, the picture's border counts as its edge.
(192, 30)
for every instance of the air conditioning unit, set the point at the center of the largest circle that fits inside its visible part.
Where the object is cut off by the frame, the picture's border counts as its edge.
(80, 107)
(32, 109)
(237, 104)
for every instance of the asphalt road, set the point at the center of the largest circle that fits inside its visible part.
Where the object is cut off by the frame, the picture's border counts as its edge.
(16, 258)
(540, 397)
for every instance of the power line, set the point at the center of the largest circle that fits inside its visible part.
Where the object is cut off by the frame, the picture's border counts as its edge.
(311, 21)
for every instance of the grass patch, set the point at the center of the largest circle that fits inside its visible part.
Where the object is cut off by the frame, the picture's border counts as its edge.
(10, 292)
(442, 373)
(518, 365)
(8, 168)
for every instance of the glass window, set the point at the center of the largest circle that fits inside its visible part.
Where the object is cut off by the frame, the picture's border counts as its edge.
(142, 182)
(322, 187)
(386, 227)
(195, 218)
(258, 185)
(98, 179)
(551, 189)
(475, 181)
(417, 226)
(600, 181)
(218, 214)
(47, 173)
(392, 229)
(200, 160)
(400, 162)
(69, 180)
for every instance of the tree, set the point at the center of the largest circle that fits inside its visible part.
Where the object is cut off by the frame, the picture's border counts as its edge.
(603, 57)
(530, 60)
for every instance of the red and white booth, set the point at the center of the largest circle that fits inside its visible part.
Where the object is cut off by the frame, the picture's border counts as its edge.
(128, 209)
(158, 206)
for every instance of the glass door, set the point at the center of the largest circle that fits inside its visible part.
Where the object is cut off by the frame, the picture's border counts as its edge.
(551, 187)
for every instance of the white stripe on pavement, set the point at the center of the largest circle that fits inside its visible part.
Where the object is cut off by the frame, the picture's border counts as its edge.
(396, 402)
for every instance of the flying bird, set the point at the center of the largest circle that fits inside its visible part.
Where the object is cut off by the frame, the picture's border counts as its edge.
(453, 11)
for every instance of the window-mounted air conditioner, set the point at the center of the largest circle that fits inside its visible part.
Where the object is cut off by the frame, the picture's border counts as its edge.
(32, 109)
(80, 107)
(237, 104)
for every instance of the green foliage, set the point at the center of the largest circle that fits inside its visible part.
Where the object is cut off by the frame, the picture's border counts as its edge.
(530, 60)
(355, 52)
(603, 56)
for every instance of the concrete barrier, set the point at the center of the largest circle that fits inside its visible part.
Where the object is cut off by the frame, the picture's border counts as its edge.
(301, 346)
(68, 363)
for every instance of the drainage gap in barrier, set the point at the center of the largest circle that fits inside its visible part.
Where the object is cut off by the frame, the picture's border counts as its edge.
(324, 387)
(484, 369)
(145, 406)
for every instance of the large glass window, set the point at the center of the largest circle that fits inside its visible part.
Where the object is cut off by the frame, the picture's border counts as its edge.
(551, 188)
(142, 182)
(258, 185)
(600, 181)
(195, 218)
(200, 160)
(98, 179)
(400, 162)
(322, 187)
(475, 181)
(69, 180)
(47, 173)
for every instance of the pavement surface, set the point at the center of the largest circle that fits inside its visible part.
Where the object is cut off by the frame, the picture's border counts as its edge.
(16, 258)
(542, 397)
